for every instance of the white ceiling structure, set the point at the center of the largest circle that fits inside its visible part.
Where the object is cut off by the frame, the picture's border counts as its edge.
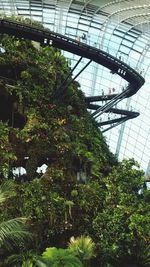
(122, 28)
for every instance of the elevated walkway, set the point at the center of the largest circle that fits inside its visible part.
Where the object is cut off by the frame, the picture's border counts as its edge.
(116, 66)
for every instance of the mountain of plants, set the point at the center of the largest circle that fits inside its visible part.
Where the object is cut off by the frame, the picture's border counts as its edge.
(87, 208)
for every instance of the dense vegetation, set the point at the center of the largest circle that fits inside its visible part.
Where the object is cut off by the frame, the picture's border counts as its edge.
(84, 191)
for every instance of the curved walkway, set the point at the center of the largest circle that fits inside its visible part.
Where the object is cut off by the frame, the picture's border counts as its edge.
(115, 65)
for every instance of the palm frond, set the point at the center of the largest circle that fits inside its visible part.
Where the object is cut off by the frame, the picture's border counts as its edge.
(83, 246)
(41, 263)
(6, 190)
(21, 257)
(26, 259)
(55, 257)
(146, 257)
(13, 232)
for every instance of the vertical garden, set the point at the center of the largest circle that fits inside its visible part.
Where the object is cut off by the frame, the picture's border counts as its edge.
(86, 209)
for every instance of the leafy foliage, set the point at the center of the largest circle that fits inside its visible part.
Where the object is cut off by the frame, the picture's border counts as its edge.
(84, 248)
(7, 189)
(61, 258)
(6, 151)
(39, 128)
(57, 130)
(123, 224)
(23, 259)
(13, 232)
